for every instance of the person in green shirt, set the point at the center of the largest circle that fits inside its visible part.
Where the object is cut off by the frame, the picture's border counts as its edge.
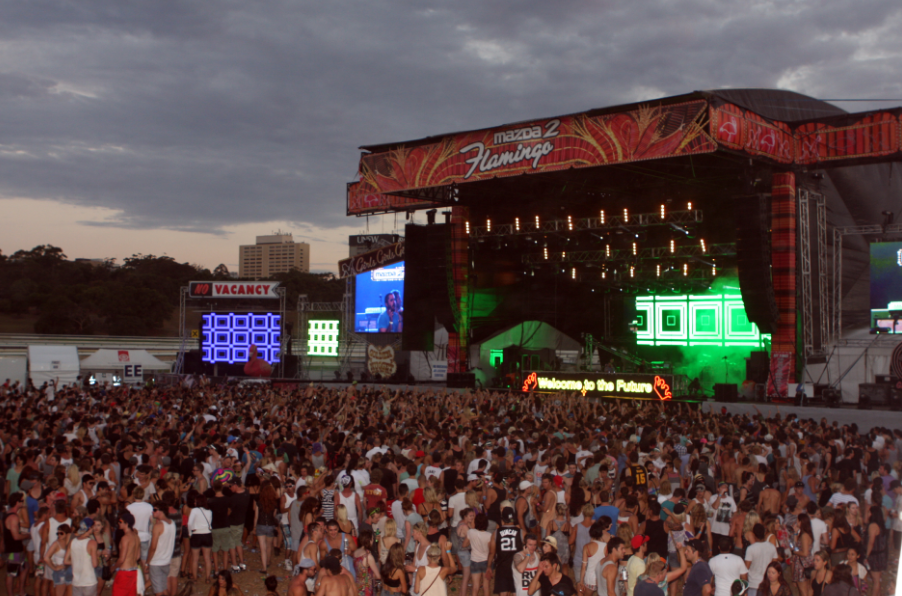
(13, 475)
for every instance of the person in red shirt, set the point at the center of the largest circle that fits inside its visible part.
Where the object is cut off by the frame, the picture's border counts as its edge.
(374, 492)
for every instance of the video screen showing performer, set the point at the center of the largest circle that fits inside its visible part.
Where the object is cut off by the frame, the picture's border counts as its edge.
(392, 320)
(379, 300)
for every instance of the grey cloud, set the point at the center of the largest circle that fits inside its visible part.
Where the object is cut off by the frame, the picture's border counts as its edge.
(193, 115)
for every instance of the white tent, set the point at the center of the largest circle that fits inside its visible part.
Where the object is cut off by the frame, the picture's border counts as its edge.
(529, 335)
(49, 363)
(107, 360)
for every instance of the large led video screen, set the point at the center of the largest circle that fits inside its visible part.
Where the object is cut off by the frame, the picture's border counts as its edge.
(886, 286)
(379, 300)
(227, 337)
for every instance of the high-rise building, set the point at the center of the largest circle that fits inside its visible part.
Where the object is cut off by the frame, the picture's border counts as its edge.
(276, 253)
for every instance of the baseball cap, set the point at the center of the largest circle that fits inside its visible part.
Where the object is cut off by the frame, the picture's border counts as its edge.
(638, 541)
(559, 481)
(346, 481)
(552, 541)
(306, 563)
(524, 485)
(472, 477)
(85, 525)
(739, 587)
(420, 454)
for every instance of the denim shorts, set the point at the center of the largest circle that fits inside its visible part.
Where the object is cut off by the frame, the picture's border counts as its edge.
(479, 567)
(63, 577)
(268, 531)
(464, 556)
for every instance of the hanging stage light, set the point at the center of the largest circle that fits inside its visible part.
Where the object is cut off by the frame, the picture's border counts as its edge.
(602, 217)
(672, 246)
(635, 250)
(659, 269)
(564, 255)
(537, 221)
(689, 206)
(546, 253)
(570, 223)
(517, 223)
(713, 271)
(685, 269)
(626, 215)
(603, 276)
(467, 224)
(607, 251)
(488, 225)
(573, 273)
(632, 271)
(662, 211)
(704, 248)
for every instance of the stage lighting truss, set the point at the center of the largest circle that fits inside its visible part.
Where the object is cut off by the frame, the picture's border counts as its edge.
(692, 251)
(601, 223)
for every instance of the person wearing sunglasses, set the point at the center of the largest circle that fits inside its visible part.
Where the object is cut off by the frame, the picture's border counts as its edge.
(55, 559)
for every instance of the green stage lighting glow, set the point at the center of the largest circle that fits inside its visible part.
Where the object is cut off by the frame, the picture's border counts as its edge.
(694, 321)
(322, 338)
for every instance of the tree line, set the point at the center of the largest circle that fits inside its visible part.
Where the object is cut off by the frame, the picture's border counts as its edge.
(136, 298)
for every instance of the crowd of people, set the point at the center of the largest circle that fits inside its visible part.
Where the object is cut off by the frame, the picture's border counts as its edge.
(377, 492)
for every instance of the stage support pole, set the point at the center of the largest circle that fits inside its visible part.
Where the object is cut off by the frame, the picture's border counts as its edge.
(783, 267)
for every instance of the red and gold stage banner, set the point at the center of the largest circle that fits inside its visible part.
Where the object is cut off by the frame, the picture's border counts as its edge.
(736, 128)
(363, 199)
(373, 259)
(875, 135)
(548, 145)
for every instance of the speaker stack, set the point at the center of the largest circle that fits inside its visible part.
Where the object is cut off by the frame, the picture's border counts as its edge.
(754, 262)
(726, 392)
(426, 291)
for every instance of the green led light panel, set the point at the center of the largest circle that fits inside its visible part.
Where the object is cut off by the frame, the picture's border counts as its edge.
(322, 338)
(710, 320)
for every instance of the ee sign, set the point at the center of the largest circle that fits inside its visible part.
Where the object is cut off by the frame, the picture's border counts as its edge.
(132, 374)
(602, 385)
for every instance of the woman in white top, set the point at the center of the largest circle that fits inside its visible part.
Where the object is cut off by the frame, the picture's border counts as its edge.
(55, 560)
(419, 532)
(593, 553)
(200, 529)
(478, 539)
(430, 579)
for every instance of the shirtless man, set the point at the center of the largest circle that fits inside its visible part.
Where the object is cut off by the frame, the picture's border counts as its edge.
(305, 570)
(770, 498)
(549, 501)
(333, 582)
(126, 567)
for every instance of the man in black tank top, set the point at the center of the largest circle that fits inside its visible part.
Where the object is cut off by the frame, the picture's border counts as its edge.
(508, 541)
(496, 494)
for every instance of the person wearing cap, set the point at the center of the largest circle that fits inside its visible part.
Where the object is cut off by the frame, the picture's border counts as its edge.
(506, 542)
(726, 568)
(525, 508)
(635, 566)
(303, 571)
(82, 557)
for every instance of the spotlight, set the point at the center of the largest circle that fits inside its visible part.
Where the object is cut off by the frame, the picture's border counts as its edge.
(607, 251)
(570, 223)
(685, 269)
(573, 273)
(602, 217)
(704, 248)
(634, 249)
(537, 221)
(689, 206)
(546, 252)
(626, 215)
(603, 276)
(632, 271)
(564, 255)
(659, 270)
(517, 223)
(662, 211)
(488, 225)
(713, 271)
(467, 225)
(672, 246)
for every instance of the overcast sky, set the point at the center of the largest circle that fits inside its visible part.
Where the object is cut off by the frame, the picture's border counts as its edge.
(187, 127)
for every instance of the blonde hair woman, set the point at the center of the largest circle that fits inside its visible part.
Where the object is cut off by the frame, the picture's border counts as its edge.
(432, 502)
(72, 483)
(388, 538)
(341, 516)
(474, 502)
(430, 579)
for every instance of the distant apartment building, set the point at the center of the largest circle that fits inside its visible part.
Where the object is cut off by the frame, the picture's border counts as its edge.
(276, 253)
